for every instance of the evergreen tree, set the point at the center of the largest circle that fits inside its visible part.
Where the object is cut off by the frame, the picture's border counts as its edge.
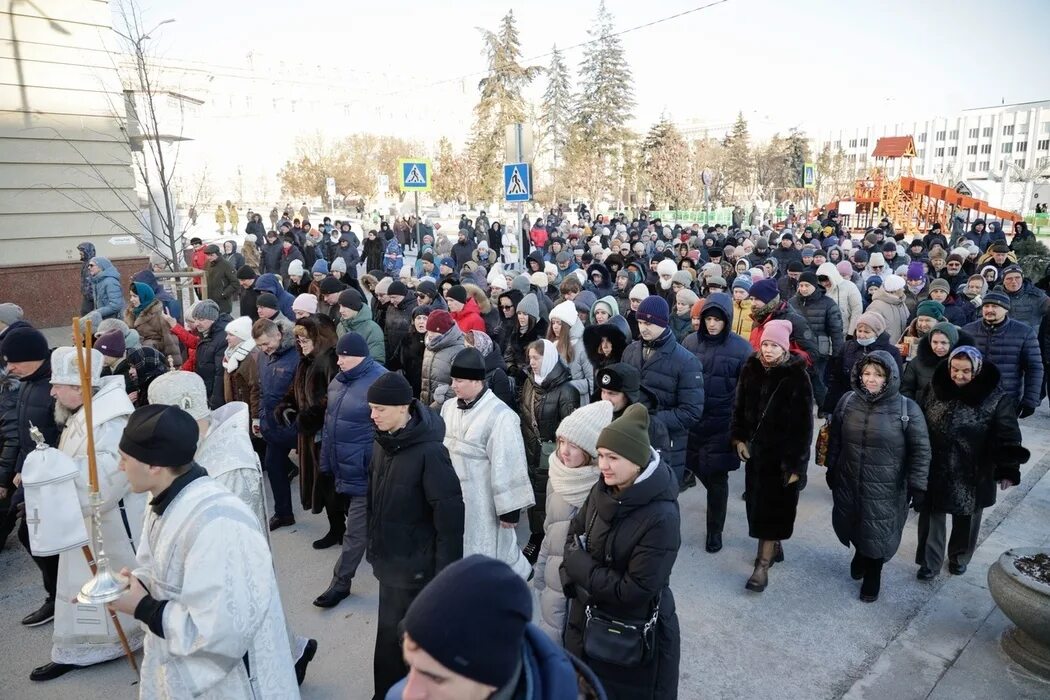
(797, 156)
(500, 103)
(666, 161)
(738, 157)
(555, 117)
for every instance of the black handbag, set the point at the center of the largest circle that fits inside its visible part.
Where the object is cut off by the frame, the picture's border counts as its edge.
(619, 641)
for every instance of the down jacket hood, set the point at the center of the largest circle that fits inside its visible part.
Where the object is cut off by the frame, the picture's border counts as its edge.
(719, 304)
(831, 272)
(889, 367)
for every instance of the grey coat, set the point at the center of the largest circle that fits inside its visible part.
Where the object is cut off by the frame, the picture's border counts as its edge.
(547, 581)
(876, 457)
(436, 374)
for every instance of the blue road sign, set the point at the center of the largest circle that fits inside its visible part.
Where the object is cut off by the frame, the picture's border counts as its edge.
(415, 175)
(517, 182)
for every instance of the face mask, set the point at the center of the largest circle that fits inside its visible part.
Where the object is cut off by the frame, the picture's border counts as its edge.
(865, 342)
(665, 284)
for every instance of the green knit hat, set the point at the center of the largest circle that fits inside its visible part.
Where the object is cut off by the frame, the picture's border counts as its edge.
(628, 435)
(931, 309)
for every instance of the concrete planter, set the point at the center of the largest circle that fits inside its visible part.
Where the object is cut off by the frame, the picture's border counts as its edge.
(1026, 602)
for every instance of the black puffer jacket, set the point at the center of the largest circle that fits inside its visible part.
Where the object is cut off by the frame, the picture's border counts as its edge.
(36, 407)
(632, 541)
(209, 361)
(878, 451)
(824, 319)
(396, 323)
(9, 388)
(543, 407)
(838, 376)
(415, 505)
(975, 438)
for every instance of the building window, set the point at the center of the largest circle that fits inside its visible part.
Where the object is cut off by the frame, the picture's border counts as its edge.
(922, 138)
(984, 165)
(938, 153)
(986, 132)
(918, 169)
(1019, 162)
(920, 154)
(940, 136)
(1021, 146)
(852, 157)
(1008, 130)
(1043, 145)
(953, 134)
(974, 133)
(1001, 164)
(986, 149)
(953, 150)
(1041, 163)
(837, 145)
(971, 150)
(853, 143)
(1008, 147)
(864, 142)
(972, 167)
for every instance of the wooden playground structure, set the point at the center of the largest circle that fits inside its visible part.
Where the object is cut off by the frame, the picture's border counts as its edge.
(911, 204)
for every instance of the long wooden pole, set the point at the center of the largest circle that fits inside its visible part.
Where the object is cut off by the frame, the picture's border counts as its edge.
(83, 348)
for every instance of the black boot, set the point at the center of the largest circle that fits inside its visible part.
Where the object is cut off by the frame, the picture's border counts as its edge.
(308, 655)
(714, 542)
(329, 540)
(760, 576)
(869, 588)
(856, 567)
(50, 671)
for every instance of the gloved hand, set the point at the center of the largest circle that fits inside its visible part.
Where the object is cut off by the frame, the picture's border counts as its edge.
(1024, 410)
(916, 498)
(256, 428)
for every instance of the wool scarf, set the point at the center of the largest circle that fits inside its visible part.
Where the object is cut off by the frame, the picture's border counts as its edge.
(572, 484)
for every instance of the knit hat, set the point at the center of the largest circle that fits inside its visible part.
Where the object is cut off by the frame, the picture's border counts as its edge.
(876, 259)
(111, 344)
(9, 313)
(666, 267)
(390, 389)
(999, 247)
(521, 283)
(1011, 269)
(948, 330)
(397, 289)
(471, 619)
(861, 256)
(246, 272)
(742, 282)
(352, 344)
(765, 290)
(654, 310)
(778, 331)
(468, 364)
(351, 299)
(686, 296)
(320, 266)
(941, 284)
(930, 308)
(428, 288)
(638, 292)
(716, 281)
(240, 327)
(330, 285)
(539, 279)
(383, 285)
(183, 389)
(808, 251)
(440, 322)
(212, 249)
(64, 367)
(582, 426)
(295, 268)
(682, 277)
(530, 306)
(916, 271)
(566, 313)
(998, 298)
(873, 320)
(889, 246)
(762, 244)
(448, 262)
(208, 310)
(795, 266)
(893, 283)
(628, 436)
(305, 302)
(160, 436)
(267, 301)
(845, 269)
(339, 265)
(458, 293)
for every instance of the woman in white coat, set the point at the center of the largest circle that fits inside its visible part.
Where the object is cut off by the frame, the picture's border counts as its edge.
(566, 332)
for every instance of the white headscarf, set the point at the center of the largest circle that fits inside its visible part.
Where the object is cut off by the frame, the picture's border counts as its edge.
(550, 359)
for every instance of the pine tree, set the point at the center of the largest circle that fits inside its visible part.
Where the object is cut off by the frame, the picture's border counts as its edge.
(666, 160)
(500, 103)
(797, 155)
(555, 117)
(738, 157)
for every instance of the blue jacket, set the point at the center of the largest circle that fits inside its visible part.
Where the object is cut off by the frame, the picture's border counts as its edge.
(276, 373)
(171, 304)
(109, 296)
(674, 380)
(272, 284)
(346, 439)
(548, 672)
(393, 257)
(721, 359)
(1013, 347)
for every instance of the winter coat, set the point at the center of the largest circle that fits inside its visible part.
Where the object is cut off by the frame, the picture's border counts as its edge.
(415, 504)
(235, 259)
(959, 310)
(975, 438)
(107, 290)
(155, 331)
(824, 319)
(721, 357)
(242, 384)
(372, 249)
(618, 333)
(171, 304)
(892, 308)
(802, 338)
(844, 293)
(346, 438)
(393, 258)
(515, 355)
(632, 542)
(681, 325)
(469, 317)
(408, 359)
(87, 251)
(276, 373)
(839, 368)
(222, 284)
(309, 396)
(210, 351)
(1028, 304)
(368, 329)
(287, 257)
(36, 407)
(270, 283)
(742, 319)
(918, 373)
(1013, 348)
(878, 452)
(436, 375)
(580, 369)
(673, 378)
(270, 258)
(397, 324)
(9, 388)
(542, 409)
(773, 415)
(496, 378)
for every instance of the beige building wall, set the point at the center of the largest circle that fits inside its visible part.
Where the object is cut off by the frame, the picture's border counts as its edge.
(65, 163)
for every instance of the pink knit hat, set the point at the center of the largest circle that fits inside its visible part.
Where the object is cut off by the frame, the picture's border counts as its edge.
(845, 269)
(778, 331)
(305, 302)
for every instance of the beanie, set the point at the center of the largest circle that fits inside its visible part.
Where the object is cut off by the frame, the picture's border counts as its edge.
(240, 328)
(295, 268)
(246, 272)
(654, 310)
(861, 256)
(765, 290)
(873, 320)
(697, 309)
(397, 289)
(566, 313)
(468, 364)
(932, 309)
(339, 265)
(440, 322)
(305, 302)
(390, 389)
(582, 426)
(383, 285)
(521, 283)
(584, 301)
(876, 260)
(458, 293)
(267, 301)
(449, 263)
(352, 344)
(916, 271)
(778, 331)
(809, 278)
(628, 436)
(530, 306)
(160, 436)
(539, 279)
(742, 282)
(320, 266)
(686, 296)
(666, 267)
(207, 310)
(111, 343)
(795, 266)
(351, 299)
(639, 292)
(762, 244)
(941, 284)
(683, 278)
(330, 285)
(995, 297)
(845, 269)
(893, 283)
(471, 619)
(427, 288)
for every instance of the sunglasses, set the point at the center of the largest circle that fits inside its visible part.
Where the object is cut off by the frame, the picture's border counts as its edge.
(506, 308)
(877, 267)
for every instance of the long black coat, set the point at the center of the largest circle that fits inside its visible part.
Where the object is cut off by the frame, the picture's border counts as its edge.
(840, 366)
(975, 438)
(210, 352)
(36, 406)
(415, 504)
(408, 358)
(397, 322)
(874, 458)
(543, 407)
(632, 542)
(372, 250)
(515, 352)
(779, 442)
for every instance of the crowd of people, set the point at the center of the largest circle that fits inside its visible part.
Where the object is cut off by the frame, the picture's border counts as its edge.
(425, 407)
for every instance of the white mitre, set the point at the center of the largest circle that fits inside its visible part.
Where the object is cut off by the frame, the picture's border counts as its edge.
(184, 390)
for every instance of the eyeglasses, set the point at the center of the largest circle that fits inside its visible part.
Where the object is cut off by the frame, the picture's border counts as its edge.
(877, 267)
(506, 308)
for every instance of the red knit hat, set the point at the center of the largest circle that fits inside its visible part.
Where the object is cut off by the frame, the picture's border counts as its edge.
(440, 321)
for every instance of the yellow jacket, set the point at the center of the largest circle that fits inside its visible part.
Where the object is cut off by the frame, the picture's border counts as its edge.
(742, 321)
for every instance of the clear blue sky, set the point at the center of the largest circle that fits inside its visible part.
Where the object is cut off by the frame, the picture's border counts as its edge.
(813, 63)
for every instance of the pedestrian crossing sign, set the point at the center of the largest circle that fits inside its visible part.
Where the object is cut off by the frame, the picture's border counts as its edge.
(415, 175)
(517, 182)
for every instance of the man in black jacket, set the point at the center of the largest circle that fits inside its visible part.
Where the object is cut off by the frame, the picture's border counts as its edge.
(415, 512)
